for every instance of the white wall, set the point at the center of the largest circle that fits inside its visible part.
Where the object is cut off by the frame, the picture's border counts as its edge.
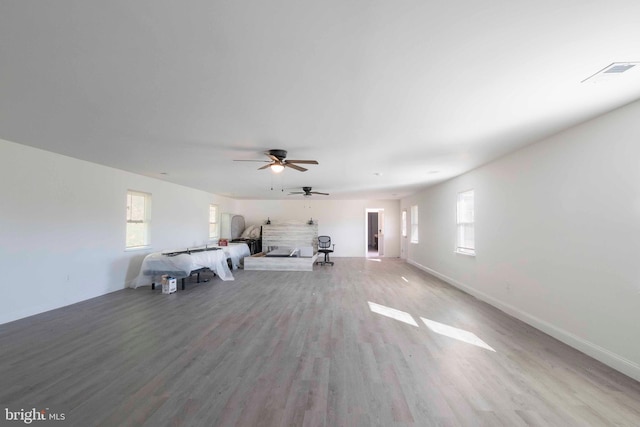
(343, 220)
(557, 236)
(62, 228)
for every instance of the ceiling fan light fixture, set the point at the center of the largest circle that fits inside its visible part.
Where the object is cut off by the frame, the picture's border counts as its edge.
(277, 168)
(277, 162)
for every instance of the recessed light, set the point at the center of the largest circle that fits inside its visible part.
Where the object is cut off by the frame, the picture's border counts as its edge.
(377, 173)
(164, 173)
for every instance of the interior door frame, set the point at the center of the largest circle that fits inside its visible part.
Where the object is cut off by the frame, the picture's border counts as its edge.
(379, 227)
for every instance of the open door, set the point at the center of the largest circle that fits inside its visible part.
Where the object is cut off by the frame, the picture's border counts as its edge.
(374, 232)
(381, 232)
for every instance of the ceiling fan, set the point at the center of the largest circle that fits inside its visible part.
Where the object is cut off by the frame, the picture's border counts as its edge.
(306, 192)
(278, 161)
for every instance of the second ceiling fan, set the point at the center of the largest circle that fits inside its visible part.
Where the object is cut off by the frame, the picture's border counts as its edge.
(278, 161)
(306, 192)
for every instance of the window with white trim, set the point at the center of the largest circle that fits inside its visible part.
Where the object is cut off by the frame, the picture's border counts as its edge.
(465, 241)
(414, 224)
(214, 229)
(138, 219)
(404, 223)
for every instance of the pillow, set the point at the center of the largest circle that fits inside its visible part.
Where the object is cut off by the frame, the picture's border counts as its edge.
(247, 231)
(255, 233)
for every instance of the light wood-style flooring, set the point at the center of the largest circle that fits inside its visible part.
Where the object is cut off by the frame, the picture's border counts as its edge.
(346, 345)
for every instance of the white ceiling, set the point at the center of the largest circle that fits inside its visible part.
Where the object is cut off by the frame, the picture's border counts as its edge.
(415, 91)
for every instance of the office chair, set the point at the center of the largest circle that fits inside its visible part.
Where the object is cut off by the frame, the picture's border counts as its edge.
(325, 247)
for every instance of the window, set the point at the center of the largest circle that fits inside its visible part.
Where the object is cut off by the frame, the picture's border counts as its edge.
(404, 223)
(465, 221)
(138, 215)
(214, 230)
(414, 224)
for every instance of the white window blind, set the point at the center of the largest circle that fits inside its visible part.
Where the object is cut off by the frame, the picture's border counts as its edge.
(414, 224)
(404, 223)
(465, 242)
(214, 229)
(138, 214)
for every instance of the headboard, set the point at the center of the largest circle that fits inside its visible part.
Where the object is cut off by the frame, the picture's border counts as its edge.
(237, 226)
(290, 234)
(231, 226)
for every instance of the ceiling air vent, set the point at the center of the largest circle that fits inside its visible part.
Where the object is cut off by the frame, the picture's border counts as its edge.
(611, 71)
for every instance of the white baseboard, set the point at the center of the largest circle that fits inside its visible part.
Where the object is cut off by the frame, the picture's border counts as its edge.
(601, 354)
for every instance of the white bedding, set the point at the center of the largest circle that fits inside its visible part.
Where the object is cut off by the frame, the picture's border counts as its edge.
(235, 252)
(155, 265)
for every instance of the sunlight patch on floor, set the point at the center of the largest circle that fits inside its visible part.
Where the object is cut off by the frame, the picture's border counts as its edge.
(392, 313)
(405, 279)
(455, 333)
(373, 259)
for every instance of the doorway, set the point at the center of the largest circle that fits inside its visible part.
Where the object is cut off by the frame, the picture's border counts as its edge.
(374, 232)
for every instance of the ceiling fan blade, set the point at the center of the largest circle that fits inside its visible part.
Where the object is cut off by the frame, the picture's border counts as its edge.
(265, 166)
(296, 167)
(316, 192)
(308, 162)
(298, 192)
(272, 157)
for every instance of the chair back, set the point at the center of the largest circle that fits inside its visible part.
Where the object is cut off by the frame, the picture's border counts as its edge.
(324, 242)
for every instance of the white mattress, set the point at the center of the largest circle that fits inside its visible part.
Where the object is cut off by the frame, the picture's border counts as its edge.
(235, 252)
(155, 265)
